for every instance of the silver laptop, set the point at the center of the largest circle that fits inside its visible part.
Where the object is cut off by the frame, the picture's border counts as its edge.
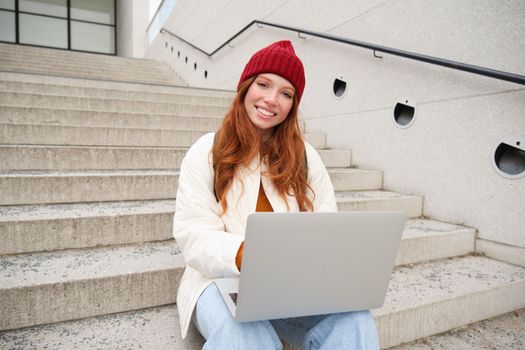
(299, 264)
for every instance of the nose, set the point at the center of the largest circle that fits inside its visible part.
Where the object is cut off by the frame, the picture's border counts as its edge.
(271, 97)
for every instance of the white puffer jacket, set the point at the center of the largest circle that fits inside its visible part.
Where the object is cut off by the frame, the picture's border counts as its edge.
(209, 242)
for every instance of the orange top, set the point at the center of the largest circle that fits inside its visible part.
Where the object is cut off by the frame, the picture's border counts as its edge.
(263, 204)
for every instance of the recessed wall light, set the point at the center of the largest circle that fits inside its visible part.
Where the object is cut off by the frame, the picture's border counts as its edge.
(339, 87)
(508, 158)
(404, 112)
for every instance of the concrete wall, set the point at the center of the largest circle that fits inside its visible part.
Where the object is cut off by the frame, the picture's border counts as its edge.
(132, 21)
(446, 153)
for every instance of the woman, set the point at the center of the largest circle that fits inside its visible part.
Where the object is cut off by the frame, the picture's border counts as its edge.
(257, 161)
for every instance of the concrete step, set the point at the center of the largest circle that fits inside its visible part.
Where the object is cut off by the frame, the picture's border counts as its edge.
(108, 62)
(500, 332)
(333, 158)
(114, 63)
(111, 85)
(79, 61)
(166, 78)
(12, 50)
(355, 179)
(105, 63)
(318, 141)
(58, 286)
(426, 240)
(66, 90)
(422, 300)
(435, 297)
(159, 71)
(33, 228)
(95, 136)
(18, 99)
(412, 205)
(76, 117)
(152, 328)
(30, 157)
(39, 134)
(39, 187)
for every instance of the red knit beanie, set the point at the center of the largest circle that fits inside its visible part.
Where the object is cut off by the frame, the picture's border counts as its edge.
(278, 58)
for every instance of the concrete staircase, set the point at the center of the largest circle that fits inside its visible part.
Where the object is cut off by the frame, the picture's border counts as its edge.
(88, 179)
(66, 63)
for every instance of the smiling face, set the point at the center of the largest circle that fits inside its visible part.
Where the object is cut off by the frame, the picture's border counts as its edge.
(268, 102)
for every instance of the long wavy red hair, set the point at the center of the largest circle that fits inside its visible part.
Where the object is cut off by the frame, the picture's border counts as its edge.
(237, 141)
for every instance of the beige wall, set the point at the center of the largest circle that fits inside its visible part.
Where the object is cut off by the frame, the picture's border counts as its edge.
(460, 117)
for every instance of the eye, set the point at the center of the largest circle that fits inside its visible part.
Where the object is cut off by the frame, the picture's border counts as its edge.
(262, 84)
(287, 94)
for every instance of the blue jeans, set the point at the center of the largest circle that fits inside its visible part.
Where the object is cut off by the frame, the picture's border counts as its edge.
(348, 330)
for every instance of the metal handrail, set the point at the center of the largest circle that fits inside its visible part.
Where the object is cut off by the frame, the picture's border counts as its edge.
(514, 78)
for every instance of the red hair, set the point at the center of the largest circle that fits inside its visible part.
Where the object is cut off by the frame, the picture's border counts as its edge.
(237, 141)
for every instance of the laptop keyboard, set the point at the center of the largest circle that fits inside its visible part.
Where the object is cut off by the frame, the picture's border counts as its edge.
(234, 297)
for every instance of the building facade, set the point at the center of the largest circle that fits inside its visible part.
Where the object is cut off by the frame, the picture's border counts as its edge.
(64, 24)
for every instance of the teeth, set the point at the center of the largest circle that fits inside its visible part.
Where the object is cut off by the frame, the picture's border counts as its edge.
(265, 112)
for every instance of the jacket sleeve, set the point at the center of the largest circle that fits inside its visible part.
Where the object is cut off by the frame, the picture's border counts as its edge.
(197, 225)
(320, 182)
